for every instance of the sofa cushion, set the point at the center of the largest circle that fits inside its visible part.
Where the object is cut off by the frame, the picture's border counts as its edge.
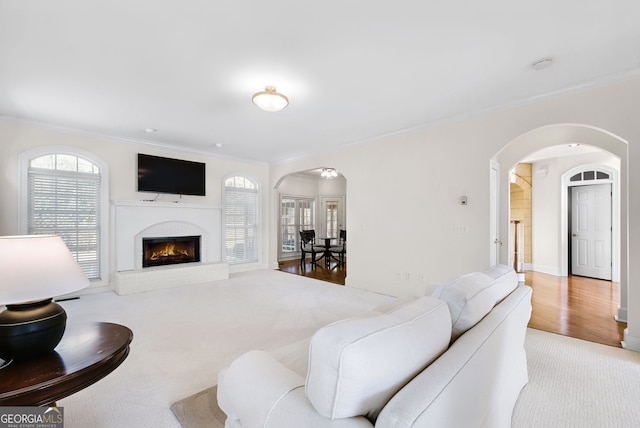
(470, 297)
(392, 305)
(357, 365)
(506, 278)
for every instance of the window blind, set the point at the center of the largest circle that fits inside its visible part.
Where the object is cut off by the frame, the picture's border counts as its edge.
(241, 225)
(67, 204)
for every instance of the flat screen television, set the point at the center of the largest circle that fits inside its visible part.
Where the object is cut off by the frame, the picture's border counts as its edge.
(165, 175)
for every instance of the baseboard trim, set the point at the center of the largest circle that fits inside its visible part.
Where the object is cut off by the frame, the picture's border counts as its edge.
(621, 316)
(546, 269)
(632, 343)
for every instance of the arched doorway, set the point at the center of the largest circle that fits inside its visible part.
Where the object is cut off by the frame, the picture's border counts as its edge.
(315, 200)
(553, 135)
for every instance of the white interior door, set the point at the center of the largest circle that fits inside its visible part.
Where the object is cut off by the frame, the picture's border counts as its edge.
(591, 231)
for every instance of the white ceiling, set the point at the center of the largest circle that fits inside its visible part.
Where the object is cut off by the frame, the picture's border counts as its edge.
(353, 70)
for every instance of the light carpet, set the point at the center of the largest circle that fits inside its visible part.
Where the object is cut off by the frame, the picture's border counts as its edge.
(184, 336)
(573, 383)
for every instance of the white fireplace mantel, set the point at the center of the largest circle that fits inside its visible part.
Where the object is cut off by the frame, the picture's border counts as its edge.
(134, 220)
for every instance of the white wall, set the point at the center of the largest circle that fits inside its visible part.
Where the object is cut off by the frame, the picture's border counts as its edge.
(403, 190)
(403, 205)
(121, 157)
(299, 185)
(334, 187)
(547, 215)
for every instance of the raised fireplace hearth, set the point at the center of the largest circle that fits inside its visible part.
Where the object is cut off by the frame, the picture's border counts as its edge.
(138, 220)
(163, 251)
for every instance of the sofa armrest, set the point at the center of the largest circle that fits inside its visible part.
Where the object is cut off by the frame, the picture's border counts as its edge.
(252, 385)
(256, 390)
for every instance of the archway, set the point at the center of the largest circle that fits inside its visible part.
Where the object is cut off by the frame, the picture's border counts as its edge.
(310, 200)
(553, 135)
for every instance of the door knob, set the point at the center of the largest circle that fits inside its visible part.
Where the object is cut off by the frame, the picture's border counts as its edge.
(574, 234)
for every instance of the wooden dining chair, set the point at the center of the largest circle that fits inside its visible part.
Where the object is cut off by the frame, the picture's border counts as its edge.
(340, 250)
(308, 246)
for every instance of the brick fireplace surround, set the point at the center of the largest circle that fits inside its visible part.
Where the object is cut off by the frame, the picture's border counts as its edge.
(135, 220)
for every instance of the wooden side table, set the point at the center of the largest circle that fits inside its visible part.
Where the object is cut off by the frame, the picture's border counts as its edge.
(86, 354)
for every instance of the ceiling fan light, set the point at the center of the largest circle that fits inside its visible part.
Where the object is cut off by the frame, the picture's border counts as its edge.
(270, 100)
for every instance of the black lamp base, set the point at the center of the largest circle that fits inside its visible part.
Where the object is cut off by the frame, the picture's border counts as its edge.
(31, 329)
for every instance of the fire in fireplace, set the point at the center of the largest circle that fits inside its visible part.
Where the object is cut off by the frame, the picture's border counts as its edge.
(170, 250)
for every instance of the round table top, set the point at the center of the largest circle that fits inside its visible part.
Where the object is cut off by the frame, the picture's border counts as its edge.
(86, 354)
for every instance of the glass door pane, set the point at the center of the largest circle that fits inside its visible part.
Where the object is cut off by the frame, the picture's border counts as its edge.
(331, 216)
(295, 214)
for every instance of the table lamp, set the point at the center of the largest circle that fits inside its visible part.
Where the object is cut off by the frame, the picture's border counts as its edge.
(33, 270)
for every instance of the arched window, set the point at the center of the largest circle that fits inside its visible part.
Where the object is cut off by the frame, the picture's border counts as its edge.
(241, 220)
(590, 176)
(63, 196)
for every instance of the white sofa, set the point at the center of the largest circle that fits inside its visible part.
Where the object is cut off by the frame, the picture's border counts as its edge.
(452, 359)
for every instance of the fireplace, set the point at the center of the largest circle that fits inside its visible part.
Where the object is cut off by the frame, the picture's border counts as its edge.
(170, 250)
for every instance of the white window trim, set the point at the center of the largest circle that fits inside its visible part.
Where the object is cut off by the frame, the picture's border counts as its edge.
(23, 169)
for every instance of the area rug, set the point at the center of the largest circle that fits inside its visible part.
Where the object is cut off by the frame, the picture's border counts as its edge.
(572, 383)
(200, 410)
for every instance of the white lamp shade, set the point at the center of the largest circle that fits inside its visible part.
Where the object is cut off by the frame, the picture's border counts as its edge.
(36, 267)
(270, 100)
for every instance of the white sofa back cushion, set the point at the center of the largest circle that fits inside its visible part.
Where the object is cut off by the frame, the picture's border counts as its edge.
(357, 365)
(472, 296)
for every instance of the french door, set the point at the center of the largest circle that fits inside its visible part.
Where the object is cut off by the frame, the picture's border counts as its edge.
(331, 217)
(296, 214)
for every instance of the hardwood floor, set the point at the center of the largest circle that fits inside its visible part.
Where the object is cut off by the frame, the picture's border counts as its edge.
(332, 273)
(574, 306)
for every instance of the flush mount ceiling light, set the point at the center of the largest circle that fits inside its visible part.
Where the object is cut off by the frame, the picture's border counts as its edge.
(270, 100)
(329, 173)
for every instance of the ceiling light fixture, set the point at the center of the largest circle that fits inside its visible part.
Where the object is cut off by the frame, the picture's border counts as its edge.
(270, 100)
(329, 173)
